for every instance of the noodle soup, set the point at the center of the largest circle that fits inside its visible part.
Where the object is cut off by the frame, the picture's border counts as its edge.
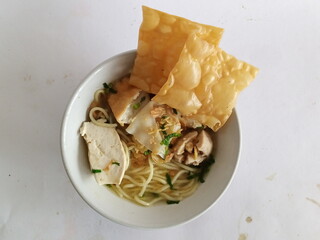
(166, 171)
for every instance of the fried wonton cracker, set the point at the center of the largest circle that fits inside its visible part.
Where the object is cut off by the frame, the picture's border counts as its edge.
(205, 83)
(161, 39)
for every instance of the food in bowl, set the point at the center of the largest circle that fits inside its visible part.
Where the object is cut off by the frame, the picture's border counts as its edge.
(150, 134)
(145, 151)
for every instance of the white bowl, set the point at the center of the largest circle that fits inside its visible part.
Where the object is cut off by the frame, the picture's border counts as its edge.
(105, 202)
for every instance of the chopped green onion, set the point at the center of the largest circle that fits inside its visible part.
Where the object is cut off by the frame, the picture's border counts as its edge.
(205, 167)
(116, 163)
(111, 90)
(136, 106)
(169, 181)
(108, 88)
(166, 152)
(164, 117)
(142, 99)
(174, 111)
(95, 170)
(167, 139)
(162, 126)
(147, 152)
(172, 202)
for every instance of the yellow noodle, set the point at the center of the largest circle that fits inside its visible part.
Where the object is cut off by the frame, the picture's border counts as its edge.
(138, 200)
(158, 175)
(194, 188)
(127, 153)
(159, 180)
(152, 179)
(114, 188)
(186, 167)
(101, 122)
(167, 166)
(129, 185)
(133, 181)
(168, 197)
(122, 192)
(182, 181)
(156, 200)
(148, 180)
(135, 170)
(178, 175)
(142, 178)
(97, 94)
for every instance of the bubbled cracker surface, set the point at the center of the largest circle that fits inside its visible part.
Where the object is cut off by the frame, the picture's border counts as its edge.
(205, 83)
(161, 39)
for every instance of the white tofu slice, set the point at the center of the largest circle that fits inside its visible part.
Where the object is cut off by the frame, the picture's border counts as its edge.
(127, 102)
(145, 129)
(105, 152)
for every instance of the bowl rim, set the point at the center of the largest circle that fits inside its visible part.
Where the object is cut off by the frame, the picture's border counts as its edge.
(63, 155)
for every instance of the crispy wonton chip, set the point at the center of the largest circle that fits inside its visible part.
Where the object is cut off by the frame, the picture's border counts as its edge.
(161, 40)
(205, 82)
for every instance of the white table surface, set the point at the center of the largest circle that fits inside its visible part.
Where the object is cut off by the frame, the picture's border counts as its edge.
(47, 48)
